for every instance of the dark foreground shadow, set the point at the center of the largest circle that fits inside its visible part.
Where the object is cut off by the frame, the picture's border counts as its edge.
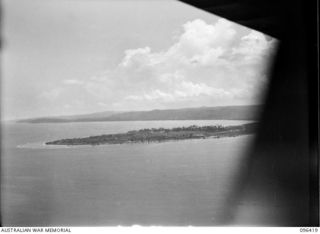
(277, 183)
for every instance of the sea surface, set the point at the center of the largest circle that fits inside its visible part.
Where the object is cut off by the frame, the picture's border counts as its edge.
(174, 183)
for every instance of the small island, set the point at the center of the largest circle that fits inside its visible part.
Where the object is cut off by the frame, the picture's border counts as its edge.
(161, 135)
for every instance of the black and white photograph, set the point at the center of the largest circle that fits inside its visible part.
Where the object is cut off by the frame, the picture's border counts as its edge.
(158, 113)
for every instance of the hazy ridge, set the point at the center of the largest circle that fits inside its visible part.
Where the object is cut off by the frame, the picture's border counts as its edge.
(201, 113)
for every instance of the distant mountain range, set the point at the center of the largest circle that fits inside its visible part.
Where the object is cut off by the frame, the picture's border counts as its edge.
(70, 118)
(199, 113)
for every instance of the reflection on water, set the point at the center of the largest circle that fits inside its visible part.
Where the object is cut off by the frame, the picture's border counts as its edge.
(170, 183)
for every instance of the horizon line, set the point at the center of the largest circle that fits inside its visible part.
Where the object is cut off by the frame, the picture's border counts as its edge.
(121, 111)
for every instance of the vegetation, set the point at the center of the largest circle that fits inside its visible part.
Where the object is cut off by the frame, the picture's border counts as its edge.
(160, 135)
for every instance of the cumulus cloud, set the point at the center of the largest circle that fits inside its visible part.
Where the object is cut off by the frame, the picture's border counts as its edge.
(254, 48)
(199, 37)
(208, 64)
(136, 57)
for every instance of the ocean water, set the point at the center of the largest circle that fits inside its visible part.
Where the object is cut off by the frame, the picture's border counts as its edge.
(173, 183)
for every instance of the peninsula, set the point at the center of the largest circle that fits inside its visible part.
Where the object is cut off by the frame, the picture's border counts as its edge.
(161, 135)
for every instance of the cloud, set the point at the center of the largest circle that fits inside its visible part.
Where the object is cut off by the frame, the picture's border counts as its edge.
(199, 36)
(185, 90)
(199, 41)
(254, 48)
(73, 82)
(208, 64)
(136, 56)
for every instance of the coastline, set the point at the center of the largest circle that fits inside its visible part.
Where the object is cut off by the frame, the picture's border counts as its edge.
(42, 145)
(159, 135)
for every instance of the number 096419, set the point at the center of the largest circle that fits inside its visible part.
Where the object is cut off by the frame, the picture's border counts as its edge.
(313, 229)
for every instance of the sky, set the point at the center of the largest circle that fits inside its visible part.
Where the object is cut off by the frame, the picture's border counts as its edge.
(68, 57)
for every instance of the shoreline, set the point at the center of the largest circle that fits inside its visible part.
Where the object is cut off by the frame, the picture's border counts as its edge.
(43, 145)
(158, 135)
